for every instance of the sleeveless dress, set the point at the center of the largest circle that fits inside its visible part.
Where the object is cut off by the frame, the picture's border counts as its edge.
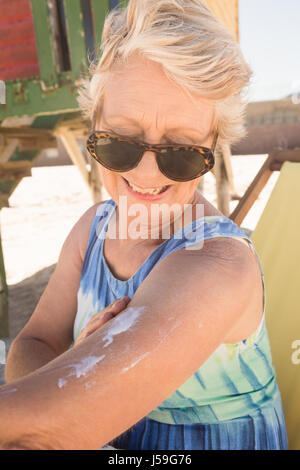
(232, 401)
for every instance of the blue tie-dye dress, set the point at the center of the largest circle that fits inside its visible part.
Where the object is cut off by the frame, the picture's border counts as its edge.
(232, 401)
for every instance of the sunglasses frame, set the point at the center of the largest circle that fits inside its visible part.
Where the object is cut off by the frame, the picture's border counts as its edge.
(158, 149)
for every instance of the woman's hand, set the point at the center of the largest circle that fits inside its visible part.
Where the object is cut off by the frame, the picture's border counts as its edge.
(102, 317)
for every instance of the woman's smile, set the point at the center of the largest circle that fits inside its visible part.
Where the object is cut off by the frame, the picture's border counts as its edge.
(147, 194)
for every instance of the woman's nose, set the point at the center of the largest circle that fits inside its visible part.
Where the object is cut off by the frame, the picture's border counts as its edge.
(148, 165)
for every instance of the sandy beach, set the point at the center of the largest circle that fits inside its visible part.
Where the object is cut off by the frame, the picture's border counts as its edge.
(44, 208)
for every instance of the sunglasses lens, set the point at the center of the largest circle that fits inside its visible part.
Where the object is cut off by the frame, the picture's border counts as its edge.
(177, 164)
(182, 165)
(117, 155)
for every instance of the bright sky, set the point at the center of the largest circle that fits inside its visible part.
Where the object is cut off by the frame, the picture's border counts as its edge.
(270, 41)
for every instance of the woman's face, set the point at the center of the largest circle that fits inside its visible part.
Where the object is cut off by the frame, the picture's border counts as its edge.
(141, 102)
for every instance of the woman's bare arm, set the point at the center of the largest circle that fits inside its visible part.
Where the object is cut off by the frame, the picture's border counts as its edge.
(48, 333)
(183, 310)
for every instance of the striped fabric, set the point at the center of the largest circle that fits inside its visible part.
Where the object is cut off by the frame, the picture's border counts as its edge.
(235, 389)
(261, 430)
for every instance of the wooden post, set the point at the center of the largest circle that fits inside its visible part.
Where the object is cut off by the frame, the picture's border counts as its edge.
(4, 323)
(226, 151)
(8, 150)
(222, 183)
(71, 145)
(92, 176)
(273, 162)
(252, 193)
(95, 181)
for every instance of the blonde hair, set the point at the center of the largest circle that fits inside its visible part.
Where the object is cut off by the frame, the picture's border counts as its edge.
(194, 48)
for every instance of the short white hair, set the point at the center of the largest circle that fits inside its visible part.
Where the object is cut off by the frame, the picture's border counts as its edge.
(194, 48)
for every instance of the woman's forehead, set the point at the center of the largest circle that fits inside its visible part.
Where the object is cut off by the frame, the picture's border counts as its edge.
(146, 83)
(140, 93)
(129, 108)
(136, 119)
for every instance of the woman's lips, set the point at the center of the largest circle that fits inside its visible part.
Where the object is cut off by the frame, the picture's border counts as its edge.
(146, 197)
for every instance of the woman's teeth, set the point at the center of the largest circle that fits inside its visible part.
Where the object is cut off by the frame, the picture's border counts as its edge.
(147, 191)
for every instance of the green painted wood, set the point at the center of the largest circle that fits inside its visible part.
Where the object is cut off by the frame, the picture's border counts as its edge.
(26, 155)
(48, 122)
(76, 37)
(31, 100)
(29, 97)
(48, 73)
(100, 10)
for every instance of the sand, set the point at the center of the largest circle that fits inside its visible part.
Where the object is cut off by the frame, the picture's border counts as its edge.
(44, 208)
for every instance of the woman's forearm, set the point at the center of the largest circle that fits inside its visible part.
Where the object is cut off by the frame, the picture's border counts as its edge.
(32, 409)
(73, 402)
(45, 409)
(25, 356)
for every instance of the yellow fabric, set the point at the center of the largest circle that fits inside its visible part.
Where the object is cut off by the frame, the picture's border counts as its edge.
(277, 241)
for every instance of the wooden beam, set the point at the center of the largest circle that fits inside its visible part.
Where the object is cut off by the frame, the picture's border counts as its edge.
(78, 125)
(15, 170)
(26, 145)
(252, 192)
(4, 200)
(286, 155)
(71, 145)
(276, 166)
(26, 132)
(8, 150)
(282, 156)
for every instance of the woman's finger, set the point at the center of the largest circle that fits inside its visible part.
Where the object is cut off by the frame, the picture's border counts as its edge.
(92, 327)
(105, 317)
(115, 306)
(96, 325)
(102, 317)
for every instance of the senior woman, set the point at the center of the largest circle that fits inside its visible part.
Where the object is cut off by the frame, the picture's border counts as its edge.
(183, 361)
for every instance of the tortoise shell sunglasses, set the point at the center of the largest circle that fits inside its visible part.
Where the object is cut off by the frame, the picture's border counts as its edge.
(177, 162)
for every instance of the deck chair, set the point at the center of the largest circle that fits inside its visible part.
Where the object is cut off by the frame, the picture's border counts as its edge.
(277, 241)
